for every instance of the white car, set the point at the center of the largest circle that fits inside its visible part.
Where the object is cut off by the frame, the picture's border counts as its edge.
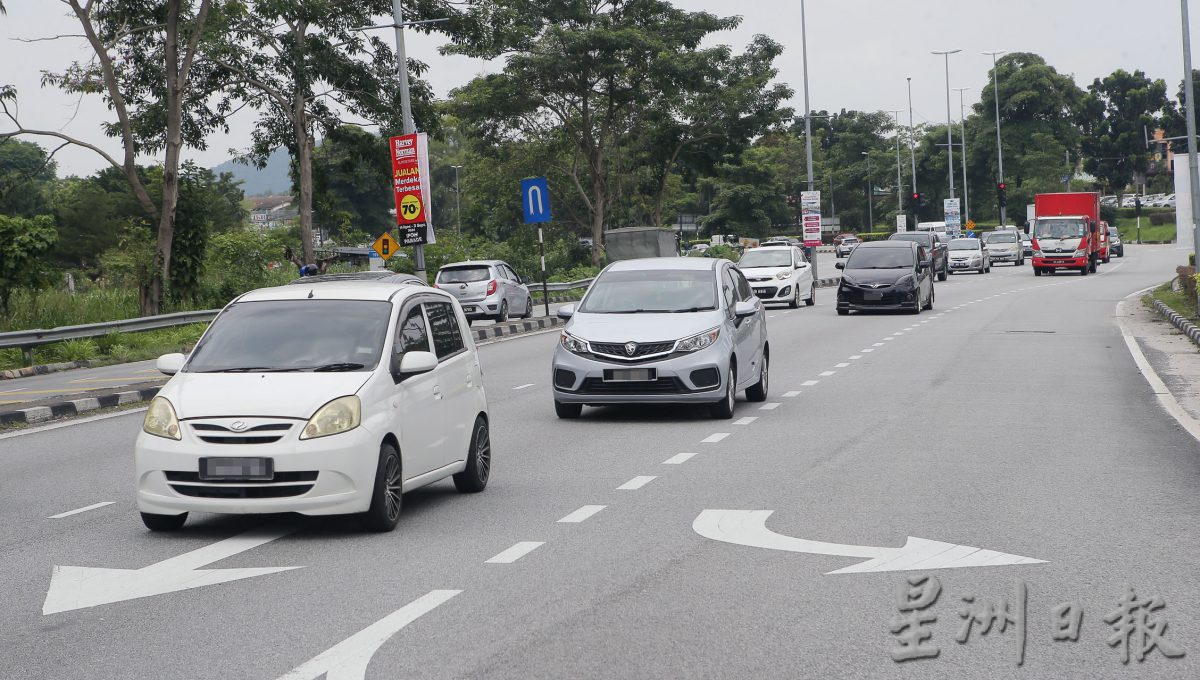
(846, 247)
(334, 398)
(779, 274)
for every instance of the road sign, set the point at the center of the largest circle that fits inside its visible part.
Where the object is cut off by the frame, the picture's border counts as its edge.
(385, 245)
(810, 211)
(901, 223)
(970, 224)
(410, 184)
(535, 200)
(953, 216)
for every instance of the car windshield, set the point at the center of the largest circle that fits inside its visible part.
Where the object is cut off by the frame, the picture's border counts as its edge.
(1059, 229)
(1112, 231)
(964, 244)
(881, 258)
(464, 274)
(766, 258)
(923, 239)
(652, 291)
(294, 335)
(849, 239)
(1002, 238)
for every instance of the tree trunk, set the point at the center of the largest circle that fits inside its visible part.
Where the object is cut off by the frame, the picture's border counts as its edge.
(161, 273)
(599, 191)
(304, 155)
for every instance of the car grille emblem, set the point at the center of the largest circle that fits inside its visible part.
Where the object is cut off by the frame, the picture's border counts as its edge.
(237, 426)
(631, 348)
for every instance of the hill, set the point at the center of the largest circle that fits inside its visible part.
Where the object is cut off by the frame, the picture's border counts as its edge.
(273, 179)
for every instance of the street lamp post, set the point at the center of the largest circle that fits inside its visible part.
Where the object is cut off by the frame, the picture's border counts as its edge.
(899, 181)
(870, 195)
(912, 152)
(457, 198)
(962, 114)
(1189, 105)
(807, 107)
(999, 148)
(949, 124)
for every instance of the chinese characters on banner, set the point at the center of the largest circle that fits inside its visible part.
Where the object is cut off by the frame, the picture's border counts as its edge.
(410, 183)
(1138, 625)
(953, 216)
(810, 211)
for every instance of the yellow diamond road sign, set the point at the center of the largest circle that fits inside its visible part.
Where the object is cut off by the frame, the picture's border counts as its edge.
(970, 224)
(386, 246)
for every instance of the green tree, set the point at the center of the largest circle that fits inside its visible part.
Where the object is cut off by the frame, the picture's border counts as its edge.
(1113, 116)
(27, 173)
(748, 196)
(352, 185)
(24, 242)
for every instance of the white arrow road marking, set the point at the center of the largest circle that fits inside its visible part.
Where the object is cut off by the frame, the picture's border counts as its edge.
(749, 527)
(83, 587)
(348, 660)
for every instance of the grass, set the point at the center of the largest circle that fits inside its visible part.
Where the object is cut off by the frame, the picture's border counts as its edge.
(1176, 300)
(1150, 232)
(114, 348)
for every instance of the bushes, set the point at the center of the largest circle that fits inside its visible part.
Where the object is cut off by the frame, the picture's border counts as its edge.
(723, 251)
(1162, 218)
(1187, 282)
(874, 236)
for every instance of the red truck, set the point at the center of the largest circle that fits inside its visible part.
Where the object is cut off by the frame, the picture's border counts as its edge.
(1066, 232)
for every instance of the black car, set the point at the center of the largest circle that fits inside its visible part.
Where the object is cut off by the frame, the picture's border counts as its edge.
(383, 276)
(886, 275)
(1115, 244)
(930, 242)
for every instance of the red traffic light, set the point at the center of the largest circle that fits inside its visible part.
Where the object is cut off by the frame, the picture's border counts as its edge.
(1001, 186)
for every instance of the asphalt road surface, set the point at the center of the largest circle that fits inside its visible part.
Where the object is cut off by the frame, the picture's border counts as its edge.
(633, 543)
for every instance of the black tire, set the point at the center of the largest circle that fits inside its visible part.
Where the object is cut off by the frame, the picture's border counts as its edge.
(794, 303)
(1094, 265)
(528, 308)
(812, 296)
(1085, 270)
(474, 477)
(843, 312)
(567, 411)
(1107, 259)
(929, 305)
(1037, 271)
(384, 513)
(503, 315)
(758, 391)
(163, 522)
(723, 409)
(943, 275)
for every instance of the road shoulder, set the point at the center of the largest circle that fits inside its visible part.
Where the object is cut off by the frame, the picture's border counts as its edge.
(1173, 356)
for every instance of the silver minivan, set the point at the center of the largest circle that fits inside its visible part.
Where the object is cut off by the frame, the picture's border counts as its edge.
(486, 289)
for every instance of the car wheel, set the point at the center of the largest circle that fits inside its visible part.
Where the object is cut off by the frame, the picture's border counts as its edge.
(163, 522)
(1083, 271)
(503, 315)
(567, 411)
(1037, 271)
(1093, 265)
(943, 275)
(929, 305)
(723, 410)
(758, 391)
(1108, 259)
(474, 477)
(812, 296)
(384, 513)
(528, 308)
(795, 301)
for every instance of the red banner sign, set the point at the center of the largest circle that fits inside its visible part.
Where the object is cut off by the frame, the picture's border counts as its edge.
(406, 180)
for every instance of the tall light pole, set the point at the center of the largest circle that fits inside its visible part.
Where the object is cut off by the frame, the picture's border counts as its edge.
(999, 148)
(457, 198)
(949, 124)
(912, 152)
(870, 194)
(962, 115)
(1189, 105)
(406, 107)
(807, 107)
(899, 181)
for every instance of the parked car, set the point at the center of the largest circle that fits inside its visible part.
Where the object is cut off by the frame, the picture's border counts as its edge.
(838, 239)
(662, 330)
(968, 254)
(779, 274)
(323, 400)
(1115, 245)
(1004, 245)
(934, 247)
(487, 289)
(1167, 201)
(382, 276)
(845, 246)
(886, 275)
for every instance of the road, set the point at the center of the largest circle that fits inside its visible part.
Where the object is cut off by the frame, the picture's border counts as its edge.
(1012, 419)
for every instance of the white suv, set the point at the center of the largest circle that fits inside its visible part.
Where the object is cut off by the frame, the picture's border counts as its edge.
(322, 399)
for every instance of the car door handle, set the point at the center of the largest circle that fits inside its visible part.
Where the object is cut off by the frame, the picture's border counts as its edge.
(437, 392)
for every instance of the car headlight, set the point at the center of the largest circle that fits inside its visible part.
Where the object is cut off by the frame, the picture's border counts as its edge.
(1037, 253)
(783, 276)
(1080, 253)
(573, 344)
(160, 420)
(699, 341)
(906, 281)
(340, 415)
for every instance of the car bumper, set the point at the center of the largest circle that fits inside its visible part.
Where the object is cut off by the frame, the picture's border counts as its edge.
(344, 464)
(773, 290)
(967, 265)
(580, 380)
(1060, 262)
(481, 309)
(1005, 257)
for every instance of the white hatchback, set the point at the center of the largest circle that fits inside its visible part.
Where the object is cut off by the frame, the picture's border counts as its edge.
(322, 399)
(779, 274)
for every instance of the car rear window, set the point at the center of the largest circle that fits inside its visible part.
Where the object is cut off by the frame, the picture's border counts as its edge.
(464, 274)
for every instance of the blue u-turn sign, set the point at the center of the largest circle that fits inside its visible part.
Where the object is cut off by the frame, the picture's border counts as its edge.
(535, 200)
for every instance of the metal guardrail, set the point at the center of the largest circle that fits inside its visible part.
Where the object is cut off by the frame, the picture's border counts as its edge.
(29, 339)
(570, 285)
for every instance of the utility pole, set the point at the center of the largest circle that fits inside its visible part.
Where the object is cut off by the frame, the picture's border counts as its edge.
(807, 107)
(1067, 158)
(1189, 97)
(457, 198)
(962, 115)
(912, 152)
(949, 124)
(899, 181)
(406, 109)
(870, 195)
(999, 147)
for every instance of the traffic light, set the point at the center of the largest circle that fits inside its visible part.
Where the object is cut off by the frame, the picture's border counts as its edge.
(914, 202)
(1001, 198)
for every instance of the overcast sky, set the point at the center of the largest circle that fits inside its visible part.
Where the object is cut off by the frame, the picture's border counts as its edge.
(860, 52)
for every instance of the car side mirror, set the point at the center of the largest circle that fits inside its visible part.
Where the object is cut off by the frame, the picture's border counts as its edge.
(745, 308)
(801, 265)
(566, 312)
(924, 265)
(413, 363)
(170, 364)
(525, 280)
(839, 265)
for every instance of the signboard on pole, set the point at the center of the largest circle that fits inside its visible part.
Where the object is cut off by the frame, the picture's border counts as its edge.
(953, 216)
(410, 183)
(901, 223)
(810, 212)
(535, 200)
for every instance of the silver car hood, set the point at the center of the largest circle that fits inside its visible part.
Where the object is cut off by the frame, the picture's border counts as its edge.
(616, 328)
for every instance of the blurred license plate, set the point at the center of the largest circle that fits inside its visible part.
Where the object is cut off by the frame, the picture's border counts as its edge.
(761, 292)
(630, 375)
(872, 295)
(218, 469)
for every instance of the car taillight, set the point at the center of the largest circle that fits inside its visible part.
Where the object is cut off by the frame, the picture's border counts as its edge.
(492, 285)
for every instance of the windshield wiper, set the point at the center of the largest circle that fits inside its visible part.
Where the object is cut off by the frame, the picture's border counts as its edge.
(332, 368)
(691, 310)
(249, 369)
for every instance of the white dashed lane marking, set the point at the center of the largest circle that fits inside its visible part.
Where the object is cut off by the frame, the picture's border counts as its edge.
(521, 387)
(636, 483)
(792, 394)
(856, 357)
(516, 552)
(841, 365)
(714, 438)
(809, 383)
(826, 374)
(582, 514)
(746, 420)
(93, 506)
(772, 405)
(679, 459)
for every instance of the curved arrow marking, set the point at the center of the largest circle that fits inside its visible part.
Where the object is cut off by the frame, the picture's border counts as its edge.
(749, 527)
